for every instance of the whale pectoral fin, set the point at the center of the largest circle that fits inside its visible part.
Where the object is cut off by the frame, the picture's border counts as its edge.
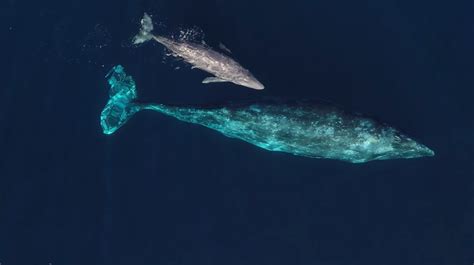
(213, 79)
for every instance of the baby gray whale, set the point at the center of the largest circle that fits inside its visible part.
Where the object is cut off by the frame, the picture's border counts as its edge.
(311, 130)
(200, 56)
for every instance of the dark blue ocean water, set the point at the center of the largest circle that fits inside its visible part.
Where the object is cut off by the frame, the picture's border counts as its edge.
(164, 192)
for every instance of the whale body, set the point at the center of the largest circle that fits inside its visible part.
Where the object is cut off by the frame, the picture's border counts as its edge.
(299, 128)
(200, 56)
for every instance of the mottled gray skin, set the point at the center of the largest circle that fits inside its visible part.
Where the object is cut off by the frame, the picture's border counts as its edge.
(311, 130)
(201, 56)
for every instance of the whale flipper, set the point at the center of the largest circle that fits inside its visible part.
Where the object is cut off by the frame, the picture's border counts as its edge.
(213, 79)
(224, 48)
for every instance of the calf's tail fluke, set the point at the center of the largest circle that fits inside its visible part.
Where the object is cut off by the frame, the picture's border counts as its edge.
(144, 34)
(120, 106)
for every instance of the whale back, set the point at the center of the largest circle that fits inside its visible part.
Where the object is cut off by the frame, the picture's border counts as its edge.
(304, 128)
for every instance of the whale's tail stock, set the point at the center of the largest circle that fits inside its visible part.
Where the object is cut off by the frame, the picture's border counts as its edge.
(120, 106)
(144, 34)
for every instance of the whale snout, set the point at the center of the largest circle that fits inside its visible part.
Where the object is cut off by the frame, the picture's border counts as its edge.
(254, 84)
(425, 151)
(406, 147)
(257, 85)
(417, 150)
(250, 82)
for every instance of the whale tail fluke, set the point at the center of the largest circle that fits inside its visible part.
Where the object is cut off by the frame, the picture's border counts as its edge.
(144, 34)
(121, 106)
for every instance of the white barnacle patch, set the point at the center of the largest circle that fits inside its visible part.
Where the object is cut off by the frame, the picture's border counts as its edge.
(349, 152)
(324, 131)
(368, 142)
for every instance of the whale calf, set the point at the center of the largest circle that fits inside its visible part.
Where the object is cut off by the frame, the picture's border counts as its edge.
(311, 130)
(200, 56)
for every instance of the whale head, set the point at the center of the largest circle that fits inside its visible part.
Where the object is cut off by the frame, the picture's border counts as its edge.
(248, 80)
(409, 148)
(403, 146)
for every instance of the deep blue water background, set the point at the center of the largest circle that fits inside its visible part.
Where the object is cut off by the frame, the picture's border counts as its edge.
(160, 191)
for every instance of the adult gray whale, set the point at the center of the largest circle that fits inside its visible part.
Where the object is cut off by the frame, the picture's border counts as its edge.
(318, 131)
(200, 56)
